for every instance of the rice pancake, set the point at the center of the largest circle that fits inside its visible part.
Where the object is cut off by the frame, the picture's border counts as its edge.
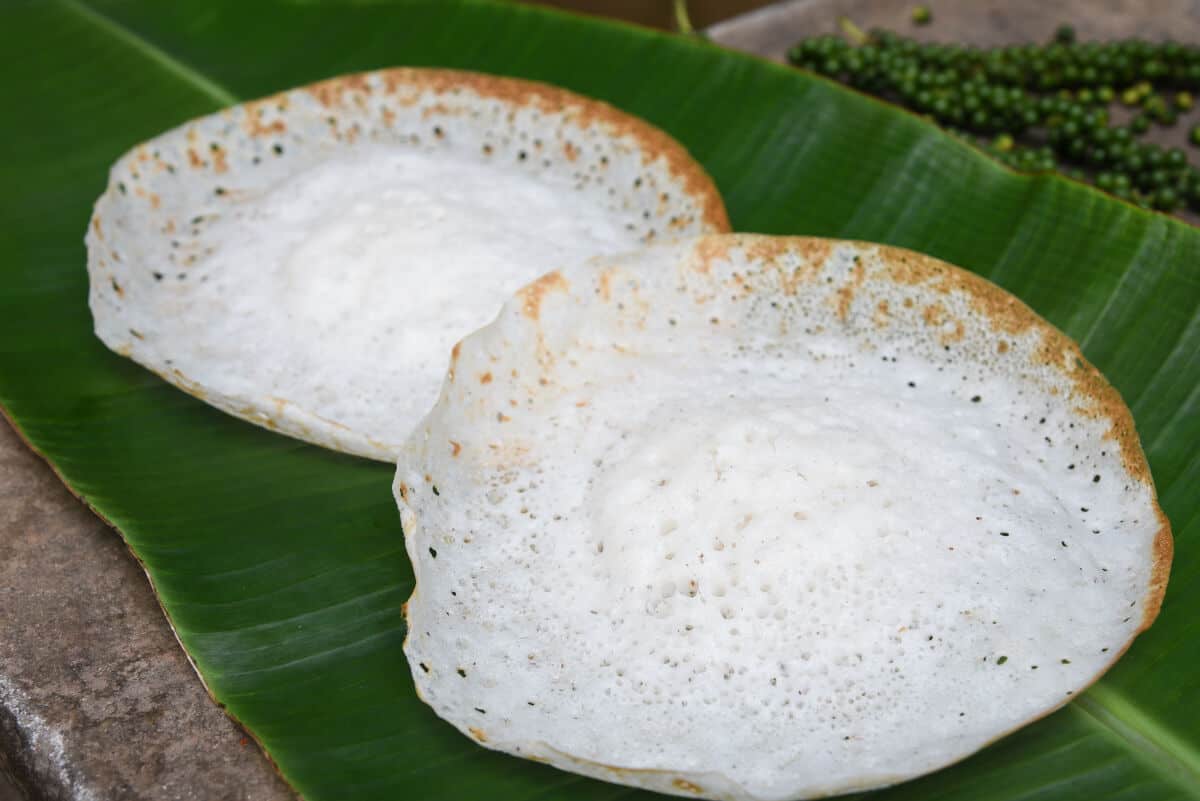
(762, 518)
(307, 261)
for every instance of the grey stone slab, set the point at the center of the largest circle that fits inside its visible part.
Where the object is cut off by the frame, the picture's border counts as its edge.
(769, 31)
(97, 700)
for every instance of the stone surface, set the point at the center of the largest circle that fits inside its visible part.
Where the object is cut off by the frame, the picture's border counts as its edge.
(98, 701)
(769, 31)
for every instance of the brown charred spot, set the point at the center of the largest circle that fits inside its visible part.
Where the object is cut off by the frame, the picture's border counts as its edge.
(486, 378)
(844, 296)
(255, 127)
(710, 249)
(606, 278)
(687, 786)
(533, 294)
(934, 314)
(882, 312)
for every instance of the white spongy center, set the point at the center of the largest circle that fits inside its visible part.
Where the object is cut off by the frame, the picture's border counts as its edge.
(357, 276)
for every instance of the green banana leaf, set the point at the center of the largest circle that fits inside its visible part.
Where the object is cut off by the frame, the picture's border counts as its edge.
(281, 565)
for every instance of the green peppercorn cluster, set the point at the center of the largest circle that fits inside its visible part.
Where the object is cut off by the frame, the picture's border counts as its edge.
(1039, 107)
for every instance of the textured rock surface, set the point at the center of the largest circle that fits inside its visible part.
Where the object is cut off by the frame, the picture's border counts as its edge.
(769, 31)
(97, 699)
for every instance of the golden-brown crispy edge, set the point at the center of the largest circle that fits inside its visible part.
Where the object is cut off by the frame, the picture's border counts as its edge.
(518, 92)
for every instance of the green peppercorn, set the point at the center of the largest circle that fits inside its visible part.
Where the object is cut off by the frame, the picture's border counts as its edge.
(1166, 199)
(1064, 34)
(921, 15)
(1058, 94)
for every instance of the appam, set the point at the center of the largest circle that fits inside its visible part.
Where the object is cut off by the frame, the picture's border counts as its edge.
(753, 518)
(306, 261)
